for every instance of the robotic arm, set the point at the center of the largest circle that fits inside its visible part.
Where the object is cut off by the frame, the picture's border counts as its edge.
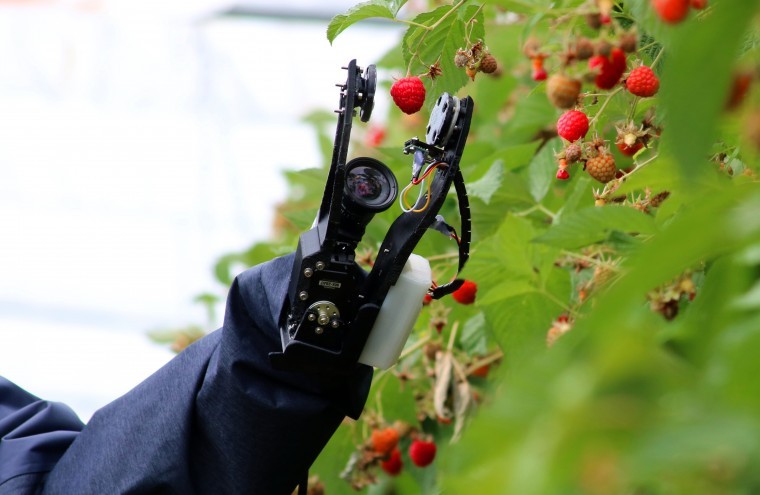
(248, 408)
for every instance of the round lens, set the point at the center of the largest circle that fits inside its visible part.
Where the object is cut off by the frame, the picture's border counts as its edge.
(367, 185)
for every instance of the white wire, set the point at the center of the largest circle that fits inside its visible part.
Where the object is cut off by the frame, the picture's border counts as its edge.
(403, 194)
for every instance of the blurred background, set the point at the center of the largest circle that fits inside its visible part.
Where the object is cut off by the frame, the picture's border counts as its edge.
(140, 141)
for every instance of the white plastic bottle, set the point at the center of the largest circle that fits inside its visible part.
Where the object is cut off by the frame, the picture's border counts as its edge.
(398, 314)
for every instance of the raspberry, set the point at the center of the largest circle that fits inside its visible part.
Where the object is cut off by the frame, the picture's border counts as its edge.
(584, 48)
(539, 73)
(642, 82)
(375, 136)
(408, 94)
(393, 464)
(563, 174)
(563, 91)
(738, 90)
(628, 42)
(572, 125)
(383, 441)
(466, 293)
(422, 453)
(601, 167)
(629, 149)
(462, 58)
(488, 64)
(671, 11)
(573, 153)
(698, 4)
(610, 69)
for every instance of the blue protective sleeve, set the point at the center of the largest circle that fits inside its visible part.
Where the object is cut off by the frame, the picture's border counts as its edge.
(34, 434)
(217, 419)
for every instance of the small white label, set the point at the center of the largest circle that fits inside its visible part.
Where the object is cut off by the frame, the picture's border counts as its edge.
(329, 284)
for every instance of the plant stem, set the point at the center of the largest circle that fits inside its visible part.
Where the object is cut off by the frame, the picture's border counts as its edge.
(495, 356)
(604, 105)
(429, 29)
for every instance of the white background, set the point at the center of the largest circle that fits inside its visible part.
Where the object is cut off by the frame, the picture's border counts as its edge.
(139, 141)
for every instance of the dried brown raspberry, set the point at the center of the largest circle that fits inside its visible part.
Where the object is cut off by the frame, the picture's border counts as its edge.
(601, 167)
(604, 48)
(594, 20)
(462, 58)
(488, 64)
(573, 153)
(532, 47)
(584, 48)
(563, 91)
(628, 42)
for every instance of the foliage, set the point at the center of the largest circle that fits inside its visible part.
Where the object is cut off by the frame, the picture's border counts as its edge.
(645, 287)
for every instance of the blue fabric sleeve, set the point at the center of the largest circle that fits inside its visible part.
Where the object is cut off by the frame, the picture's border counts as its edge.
(34, 434)
(217, 419)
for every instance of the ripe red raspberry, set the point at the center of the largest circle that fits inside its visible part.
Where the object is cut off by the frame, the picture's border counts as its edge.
(385, 440)
(629, 149)
(572, 125)
(466, 293)
(408, 94)
(393, 464)
(601, 167)
(610, 69)
(422, 453)
(671, 11)
(642, 82)
(563, 174)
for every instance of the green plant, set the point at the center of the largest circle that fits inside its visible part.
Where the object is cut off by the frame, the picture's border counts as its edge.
(624, 317)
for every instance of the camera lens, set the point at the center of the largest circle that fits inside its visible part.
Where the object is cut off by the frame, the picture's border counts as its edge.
(370, 184)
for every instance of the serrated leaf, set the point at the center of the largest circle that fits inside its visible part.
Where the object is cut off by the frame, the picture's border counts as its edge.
(595, 224)
(541, 173)
(507, 289)
(366, 10)
(424, 47)
(485, 187)
(473, 336)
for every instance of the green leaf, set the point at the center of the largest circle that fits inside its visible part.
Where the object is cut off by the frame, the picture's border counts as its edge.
(712, 42)
(365, 10)
(424, 47)
(485, 187)
(541, 173)
(473, 337)
(595, 224)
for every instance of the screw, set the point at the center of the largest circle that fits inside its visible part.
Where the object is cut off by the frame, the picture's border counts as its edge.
(335, 324)
(308, 272)
(312, 317)
(303, 295)
(320, 265)
(319, 330)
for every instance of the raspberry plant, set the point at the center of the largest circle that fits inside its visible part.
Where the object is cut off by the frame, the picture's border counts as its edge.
(611, 346)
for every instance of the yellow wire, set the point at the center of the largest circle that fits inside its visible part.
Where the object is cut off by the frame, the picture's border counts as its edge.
(427, 201)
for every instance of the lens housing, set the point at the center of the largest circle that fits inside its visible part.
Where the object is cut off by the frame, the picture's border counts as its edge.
(369, 185)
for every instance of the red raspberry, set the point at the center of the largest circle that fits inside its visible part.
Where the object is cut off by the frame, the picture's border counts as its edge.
(466, 293)
(610, 69)
(572, 125)
(629, 150)
(393, 464)
(671, 11)
(422, 453)
(383, 441)
(539, 73)
(408, 94)
(563, 174)
(642, 82)
(375, 136)
(698, 4)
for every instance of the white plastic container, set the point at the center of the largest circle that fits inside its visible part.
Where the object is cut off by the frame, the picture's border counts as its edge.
(398, 314)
